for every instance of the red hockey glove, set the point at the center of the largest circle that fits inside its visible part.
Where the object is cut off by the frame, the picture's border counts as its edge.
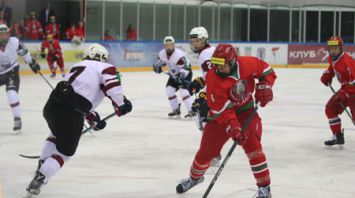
(123, 109)
(326, 78)
(95, 122)
(263, 93)
(234, 131)
(341, 96)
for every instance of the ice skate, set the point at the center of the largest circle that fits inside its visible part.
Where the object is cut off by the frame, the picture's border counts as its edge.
(175, 113)
(216, 161)
(191, 114)
(52, 75)
(264, 192)
(336, 140)
(187, 183)
(34, 187)
(17, 125)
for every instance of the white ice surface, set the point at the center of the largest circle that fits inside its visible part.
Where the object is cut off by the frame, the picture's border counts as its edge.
(144, 154)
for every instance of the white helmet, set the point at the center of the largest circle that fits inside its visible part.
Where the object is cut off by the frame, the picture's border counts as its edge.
(169, 40)
(3, 28)
(96, 52)
(198, 32)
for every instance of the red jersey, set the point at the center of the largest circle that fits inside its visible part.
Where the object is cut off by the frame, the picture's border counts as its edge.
(344, 69)
(53, 48)
(219, 90)
(54, 29)
(70, 33)
(33, 30)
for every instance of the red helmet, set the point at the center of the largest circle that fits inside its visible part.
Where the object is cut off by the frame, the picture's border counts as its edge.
(335, 41)
(224, 54)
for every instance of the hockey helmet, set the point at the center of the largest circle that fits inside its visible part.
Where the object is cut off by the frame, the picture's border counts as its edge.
(198, 32)
(224, 59)
(96, 52)
(4, 34)
(335, 41)
(169, 40)
(4, 28)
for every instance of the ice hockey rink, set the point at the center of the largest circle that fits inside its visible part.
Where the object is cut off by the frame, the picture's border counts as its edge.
(144, 154)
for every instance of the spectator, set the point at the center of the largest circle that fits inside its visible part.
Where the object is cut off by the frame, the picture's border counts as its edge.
(75, 35)
(45, 14)
(53, 28)
(33, 28)
(16, 30)
(25, 19)
(7, 12)
(108, 37)
(2, 18)
(81, 29)
(131, 33)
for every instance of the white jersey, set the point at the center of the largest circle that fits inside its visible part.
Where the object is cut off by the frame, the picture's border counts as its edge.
(93, 79)
(177, 62)
(9, 55)
(204, 59)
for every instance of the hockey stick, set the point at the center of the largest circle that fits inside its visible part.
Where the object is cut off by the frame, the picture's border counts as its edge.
(229, 154)
(342, 105)
(184, 81)
(45, 79)
(83, 132)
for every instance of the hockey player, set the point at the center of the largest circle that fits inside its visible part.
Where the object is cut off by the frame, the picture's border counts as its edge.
(10, 49)
(230, 85)
(79, 94)
(180, 76)
(342, 66)
(54, 54)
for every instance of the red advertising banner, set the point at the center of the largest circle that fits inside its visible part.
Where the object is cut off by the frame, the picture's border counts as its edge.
(312, 54)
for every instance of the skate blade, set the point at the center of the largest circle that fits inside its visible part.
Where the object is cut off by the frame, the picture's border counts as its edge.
(175, 117)
(335, 147)
(18, 132)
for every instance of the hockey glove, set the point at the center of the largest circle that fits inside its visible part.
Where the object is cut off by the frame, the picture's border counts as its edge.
(35, 66)
(95, 122)
(326, 78)
(263, 93)
(234, 131)
(157, 69)
(196, 85)
(123, 109)
(55, 58)
(199, 102)
(43, 55)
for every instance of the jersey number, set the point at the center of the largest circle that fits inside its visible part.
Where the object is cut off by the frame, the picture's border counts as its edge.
(77, 71)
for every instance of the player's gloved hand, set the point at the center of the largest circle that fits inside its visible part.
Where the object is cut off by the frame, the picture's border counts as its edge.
(326, 78)
(95, 122)
(55, 58)
(157, 69)
(123, 109)
(199, 102)
(341, 96)
(157, 66)
(196, 85)
(35, 66)
(263, 93)
(43, 55)
(234, 131)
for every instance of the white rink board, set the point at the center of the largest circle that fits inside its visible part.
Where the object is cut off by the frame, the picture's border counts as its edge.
(144, 154)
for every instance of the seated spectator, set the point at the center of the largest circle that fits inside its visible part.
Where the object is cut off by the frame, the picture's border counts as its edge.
(108, 37)
(75, 35)
(81, 29)
(53, 28)
(131, 33)
(16, 30)
(33, 28)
